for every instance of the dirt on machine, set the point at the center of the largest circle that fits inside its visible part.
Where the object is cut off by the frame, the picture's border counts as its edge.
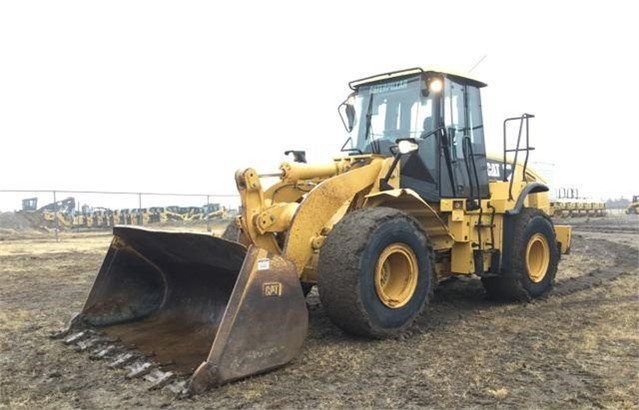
(412, 201)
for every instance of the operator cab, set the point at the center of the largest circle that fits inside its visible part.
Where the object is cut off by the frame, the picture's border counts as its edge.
(439, 111)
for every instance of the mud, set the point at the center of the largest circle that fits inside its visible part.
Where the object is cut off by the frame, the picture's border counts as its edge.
(180, 347)
(578, 347)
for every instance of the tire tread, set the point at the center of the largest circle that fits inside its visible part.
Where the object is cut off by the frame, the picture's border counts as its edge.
(339, 264)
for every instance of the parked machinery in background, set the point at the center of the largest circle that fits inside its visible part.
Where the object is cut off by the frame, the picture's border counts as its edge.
(568, 203)
(30, 204)
(633, 207)
(214, 211)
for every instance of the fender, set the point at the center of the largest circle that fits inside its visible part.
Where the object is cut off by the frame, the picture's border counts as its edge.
(532, 188)
(410, 202)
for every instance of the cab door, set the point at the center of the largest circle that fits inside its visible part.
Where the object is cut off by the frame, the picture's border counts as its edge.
(464, 145)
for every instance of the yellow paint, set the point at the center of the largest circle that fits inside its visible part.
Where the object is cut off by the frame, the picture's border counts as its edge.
(319, 206)
(310, 199)
(537, 257)
(285, 191)
(564, 236)
(253, 203)
(462, 259)
(276, 218)
(295, 171)
(396, 273)
(458, 215)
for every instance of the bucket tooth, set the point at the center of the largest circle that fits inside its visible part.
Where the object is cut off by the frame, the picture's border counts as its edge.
(83, 345)
(103, 353)
(59, 334)
(139, 369)
(92, 342)
(76, 337)
(178, 387)
(122, 360)
(159, 379)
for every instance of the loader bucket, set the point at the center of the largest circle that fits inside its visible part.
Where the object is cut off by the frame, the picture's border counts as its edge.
(196, 302)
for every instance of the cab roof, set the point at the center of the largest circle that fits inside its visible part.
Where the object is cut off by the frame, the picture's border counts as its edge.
(461, 77)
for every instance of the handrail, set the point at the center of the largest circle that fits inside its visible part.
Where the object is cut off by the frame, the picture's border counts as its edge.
(522, 119)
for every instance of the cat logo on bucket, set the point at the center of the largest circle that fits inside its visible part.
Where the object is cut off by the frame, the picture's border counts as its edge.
(272, 289)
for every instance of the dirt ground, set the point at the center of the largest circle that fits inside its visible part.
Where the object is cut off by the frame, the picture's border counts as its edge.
(579, 347)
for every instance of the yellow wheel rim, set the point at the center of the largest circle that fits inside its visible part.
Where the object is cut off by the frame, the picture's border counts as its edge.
(396, 275)
(537, 257)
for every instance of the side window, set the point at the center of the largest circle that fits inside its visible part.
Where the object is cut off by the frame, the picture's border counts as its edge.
(475, 122)
(462, 116)
(454, 116)
(423, 117)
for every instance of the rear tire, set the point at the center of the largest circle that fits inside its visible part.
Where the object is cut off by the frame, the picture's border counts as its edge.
(375, 272)
(534, 256)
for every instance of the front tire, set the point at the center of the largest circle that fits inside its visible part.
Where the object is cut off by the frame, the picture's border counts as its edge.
(375, 272)
(533, 257)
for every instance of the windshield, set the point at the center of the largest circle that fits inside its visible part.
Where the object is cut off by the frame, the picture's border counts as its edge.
(387, 111)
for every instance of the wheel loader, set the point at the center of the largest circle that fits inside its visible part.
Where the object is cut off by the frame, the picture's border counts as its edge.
(633, 207)
(410, 202)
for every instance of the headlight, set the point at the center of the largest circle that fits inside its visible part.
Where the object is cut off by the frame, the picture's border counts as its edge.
(435, 86)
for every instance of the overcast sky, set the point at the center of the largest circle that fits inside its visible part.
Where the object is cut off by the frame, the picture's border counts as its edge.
(175, 96)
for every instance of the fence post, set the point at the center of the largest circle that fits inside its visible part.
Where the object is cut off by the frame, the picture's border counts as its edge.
(140, 216)
(208, 220)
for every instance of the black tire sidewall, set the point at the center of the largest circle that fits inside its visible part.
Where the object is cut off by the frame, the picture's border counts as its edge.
(389, 232)
(536, 224)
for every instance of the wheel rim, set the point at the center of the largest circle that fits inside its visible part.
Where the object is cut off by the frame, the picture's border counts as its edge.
(396, 275)
(537, 257)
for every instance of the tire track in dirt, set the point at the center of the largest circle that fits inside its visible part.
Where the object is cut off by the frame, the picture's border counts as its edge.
(464, 298)
(625, 261)
(577, 346)
(612, 224)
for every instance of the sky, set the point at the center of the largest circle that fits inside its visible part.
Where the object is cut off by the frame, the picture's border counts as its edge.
(160, 96)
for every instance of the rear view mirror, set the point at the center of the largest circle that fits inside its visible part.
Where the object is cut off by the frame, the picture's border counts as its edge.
(347, 113)
(350, 116)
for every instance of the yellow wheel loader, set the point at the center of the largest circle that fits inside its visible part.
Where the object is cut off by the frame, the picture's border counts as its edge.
(633, 207)
(411, 201)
